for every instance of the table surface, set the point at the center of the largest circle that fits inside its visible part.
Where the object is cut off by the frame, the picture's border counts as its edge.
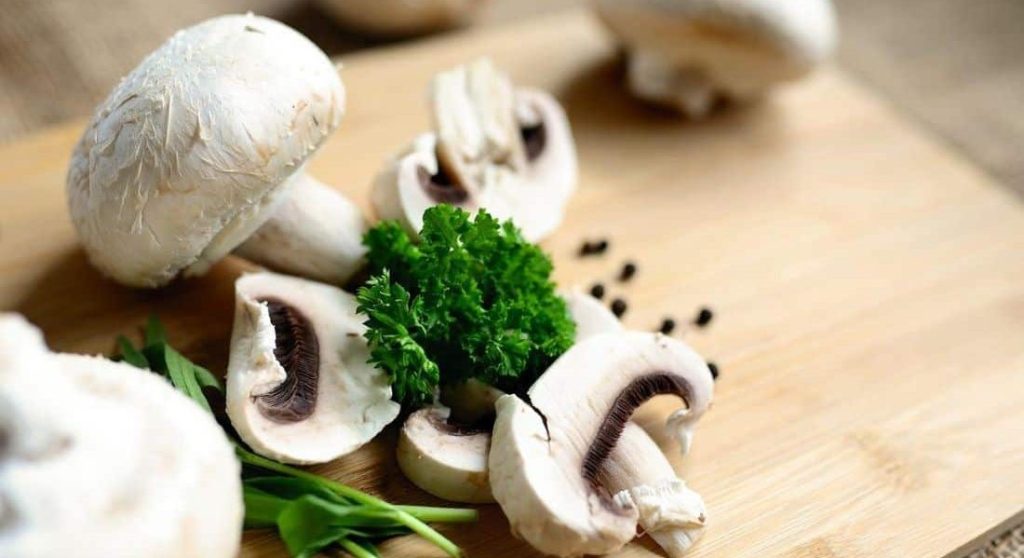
(868, 284)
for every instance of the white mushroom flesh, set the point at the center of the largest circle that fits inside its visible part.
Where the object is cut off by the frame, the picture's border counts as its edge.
(315, 232)
(546, 455)
(509, 151)
(688, 53)
(300, 388)
(102, 459)
(640, 476)
(445, 459)
(183, 160)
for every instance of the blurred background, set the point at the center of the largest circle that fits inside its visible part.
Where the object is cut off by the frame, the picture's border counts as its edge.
(955, 66)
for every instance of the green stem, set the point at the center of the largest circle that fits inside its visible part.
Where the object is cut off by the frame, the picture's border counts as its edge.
(354, 549)
(440, 515)
(405, 518)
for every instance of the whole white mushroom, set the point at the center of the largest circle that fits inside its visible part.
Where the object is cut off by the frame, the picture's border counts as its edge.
(686, 54)
(203, 144)
(101, 459)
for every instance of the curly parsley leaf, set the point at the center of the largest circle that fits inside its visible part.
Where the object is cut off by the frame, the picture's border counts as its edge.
(473, 299)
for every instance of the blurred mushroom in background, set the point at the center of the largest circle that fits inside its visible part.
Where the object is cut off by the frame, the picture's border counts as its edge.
(398, 18)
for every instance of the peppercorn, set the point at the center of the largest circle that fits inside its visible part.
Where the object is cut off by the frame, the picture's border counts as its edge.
(597, 291)
(667, 325)
(714, 370)
(704, 317)
(628, 271)
(589, 248)
(601, 246)
(618, 307)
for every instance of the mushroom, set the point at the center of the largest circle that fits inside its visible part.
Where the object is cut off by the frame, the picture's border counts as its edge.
(688, 53)
(547, 451)
(639, 476)
(99, 459)
(205, 142)
(504, 149)
(300, 388)
(444, 458)
(401, 17)
(591, 317)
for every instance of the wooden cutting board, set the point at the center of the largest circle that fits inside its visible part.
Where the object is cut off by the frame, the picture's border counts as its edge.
(868, 286)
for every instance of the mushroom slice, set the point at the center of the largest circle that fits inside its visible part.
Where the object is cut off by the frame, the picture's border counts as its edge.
(102, 459)
(393, 18)
(640, 476)
(300, 388)
(444, 458)
(192, 152)
(591, 317)
(687, 53)
(546, 455)
(507, 150)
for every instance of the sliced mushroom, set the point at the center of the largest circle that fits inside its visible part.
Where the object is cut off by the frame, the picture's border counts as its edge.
(591, 317)
(547, 454)
(688, 53)
(507, 150)
(640, 476)
(300, 388)
(193, 151)
(401, 17)
(101, 459)
(444, 458)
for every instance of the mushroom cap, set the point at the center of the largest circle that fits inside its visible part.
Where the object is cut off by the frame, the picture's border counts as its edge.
(739, 45)
(545, 456)
(443, 459)
(401, 17)
(103, 459)
(504, 149)
(185, 157)
(337, 401)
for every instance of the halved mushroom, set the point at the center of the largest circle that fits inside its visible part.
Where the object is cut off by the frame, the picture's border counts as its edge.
(504, 149)
(687, 53)
(445, 458)
(300, 388)
(640, 476)
(591, 317)
(547, 454)
(202, 144)
(99, 459)
(401, 17)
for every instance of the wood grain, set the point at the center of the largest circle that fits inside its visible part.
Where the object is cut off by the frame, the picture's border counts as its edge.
(868, 285)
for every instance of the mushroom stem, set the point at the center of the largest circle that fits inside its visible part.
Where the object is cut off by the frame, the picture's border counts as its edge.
(315, 232)
(653, 78)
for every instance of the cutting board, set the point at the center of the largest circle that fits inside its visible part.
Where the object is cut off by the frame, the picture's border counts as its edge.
(867, 283)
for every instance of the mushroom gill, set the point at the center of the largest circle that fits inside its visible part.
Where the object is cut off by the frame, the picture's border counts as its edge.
(440, 186)
(639, 391)
(297, 349)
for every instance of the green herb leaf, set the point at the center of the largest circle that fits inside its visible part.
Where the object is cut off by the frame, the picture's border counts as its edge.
(472, 300)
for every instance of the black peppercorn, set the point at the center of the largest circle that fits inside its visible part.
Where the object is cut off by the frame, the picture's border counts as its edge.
(667, 326)
(618, 307)
(704, 317)
(597, 291)
(714, 370)
(589, 248)
(601, 246)
(628, 271)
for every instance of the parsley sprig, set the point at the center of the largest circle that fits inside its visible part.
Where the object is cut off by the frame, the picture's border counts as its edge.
(472, 300)
(310, 512)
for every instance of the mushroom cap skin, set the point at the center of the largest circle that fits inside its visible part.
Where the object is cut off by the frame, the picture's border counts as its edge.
(395, 18)
(640, 476)
(504, 149)
(186, 156)
(103, 459)
(315, 232)
(443, 459)
(684, 53)
(590, 315)
(546, 455)
(330, 400)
